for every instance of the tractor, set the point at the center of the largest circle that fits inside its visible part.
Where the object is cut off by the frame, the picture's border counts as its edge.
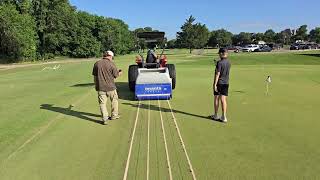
(152, 78)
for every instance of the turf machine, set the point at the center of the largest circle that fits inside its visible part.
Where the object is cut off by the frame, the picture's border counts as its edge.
(152, 78)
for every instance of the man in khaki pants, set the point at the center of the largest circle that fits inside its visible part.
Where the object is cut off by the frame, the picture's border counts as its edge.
(104, 72)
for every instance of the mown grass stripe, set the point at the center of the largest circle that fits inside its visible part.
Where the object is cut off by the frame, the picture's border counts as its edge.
(43, 129)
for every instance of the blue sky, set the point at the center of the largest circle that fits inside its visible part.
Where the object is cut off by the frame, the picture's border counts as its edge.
(235, 16)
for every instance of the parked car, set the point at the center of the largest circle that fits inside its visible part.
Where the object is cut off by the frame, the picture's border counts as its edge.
(250, 48)
(299, 46)
(311, 46)
(274, 46)
(239, 49)
(294, 47)
(305, 45)
(235, 49)
(264, 49)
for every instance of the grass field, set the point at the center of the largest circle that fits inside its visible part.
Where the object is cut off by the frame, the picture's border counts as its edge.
(268, 137)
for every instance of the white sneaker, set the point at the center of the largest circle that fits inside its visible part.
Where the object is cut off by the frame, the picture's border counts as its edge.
(224, 119)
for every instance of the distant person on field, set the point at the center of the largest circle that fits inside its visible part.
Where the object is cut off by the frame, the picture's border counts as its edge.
(221, 85)
(104, 72)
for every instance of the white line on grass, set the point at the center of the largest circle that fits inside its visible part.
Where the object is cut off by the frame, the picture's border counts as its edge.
(148, 155)
(182, 142)
(42, 129)
(165, 142)
(125, 176)
(55, 67)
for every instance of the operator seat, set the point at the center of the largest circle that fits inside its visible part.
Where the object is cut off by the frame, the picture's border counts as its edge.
(151, 58)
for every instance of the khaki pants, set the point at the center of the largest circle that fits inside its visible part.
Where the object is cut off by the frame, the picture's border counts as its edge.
(103, 97)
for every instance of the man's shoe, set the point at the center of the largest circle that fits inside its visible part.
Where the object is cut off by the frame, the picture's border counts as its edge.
(223, 119)
(115, 117)
(215, 117)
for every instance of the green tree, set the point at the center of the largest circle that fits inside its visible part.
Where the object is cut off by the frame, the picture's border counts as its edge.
(17, 34)
(114, 35)
(220, 38)
(56, 21)
(202, 32)
(258, 37)
(269, 36)
(315, 35)
(242, 38)
(302, 33)
(279, 38)
(59, 29)
(139, 43)
(171, 44)
(286, 35)
(39, 12)
(192, 35)
(187, 35)
(23, 6)
(61, 21)
(84, 44)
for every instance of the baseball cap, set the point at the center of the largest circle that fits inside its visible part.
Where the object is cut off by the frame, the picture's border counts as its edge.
(223, 50)
(110, 53)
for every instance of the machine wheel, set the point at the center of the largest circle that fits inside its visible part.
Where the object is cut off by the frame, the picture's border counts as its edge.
(172, 72)
(132, 76)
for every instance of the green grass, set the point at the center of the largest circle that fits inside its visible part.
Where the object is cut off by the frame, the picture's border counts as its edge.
(268, 137)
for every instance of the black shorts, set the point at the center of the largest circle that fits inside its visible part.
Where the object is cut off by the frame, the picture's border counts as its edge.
(223, 90)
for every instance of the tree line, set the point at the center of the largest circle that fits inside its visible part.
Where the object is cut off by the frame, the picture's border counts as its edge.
(42, 29)
(197, 35)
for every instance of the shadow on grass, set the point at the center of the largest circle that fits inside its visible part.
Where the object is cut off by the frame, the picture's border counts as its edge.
(312, 55)
(315, 81)
(156, 108)
(68, 111)
(240, 92)
(84, 85)
(123, 90)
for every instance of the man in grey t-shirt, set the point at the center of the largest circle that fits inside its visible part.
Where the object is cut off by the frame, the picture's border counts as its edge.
(221, 85)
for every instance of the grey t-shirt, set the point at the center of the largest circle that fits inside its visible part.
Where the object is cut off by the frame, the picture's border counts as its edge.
(223, 66)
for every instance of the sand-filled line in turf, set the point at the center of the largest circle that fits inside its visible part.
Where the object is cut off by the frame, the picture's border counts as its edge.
(125, 176)
(165, 143)
(182, 142)
(148, 144)
(44, 128)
